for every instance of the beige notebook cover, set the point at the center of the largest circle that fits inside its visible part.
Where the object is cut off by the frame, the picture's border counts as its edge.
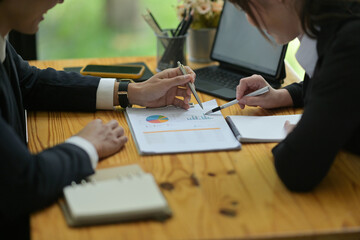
(113, 195)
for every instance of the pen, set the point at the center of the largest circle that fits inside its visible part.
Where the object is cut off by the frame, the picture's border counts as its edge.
(190, 84)
(153, 18)
(255, 93)
(179, 26)
(187, 23)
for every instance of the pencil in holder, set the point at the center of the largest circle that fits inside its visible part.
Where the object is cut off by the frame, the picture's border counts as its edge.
(170, 50)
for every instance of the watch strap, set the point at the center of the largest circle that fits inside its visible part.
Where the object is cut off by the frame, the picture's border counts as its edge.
(122, 94)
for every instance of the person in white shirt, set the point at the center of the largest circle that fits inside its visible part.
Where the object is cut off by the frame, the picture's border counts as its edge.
(32, 181)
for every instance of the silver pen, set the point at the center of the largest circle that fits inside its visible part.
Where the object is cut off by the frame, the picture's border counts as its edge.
(190, 84)
(255, 93)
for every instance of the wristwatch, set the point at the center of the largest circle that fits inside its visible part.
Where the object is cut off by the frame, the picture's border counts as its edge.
(123, 92)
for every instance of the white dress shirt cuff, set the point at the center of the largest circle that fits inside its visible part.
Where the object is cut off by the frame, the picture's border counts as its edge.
(105, 94)
(87, 147)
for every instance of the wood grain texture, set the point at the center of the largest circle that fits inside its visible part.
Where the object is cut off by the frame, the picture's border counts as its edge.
(237, 194)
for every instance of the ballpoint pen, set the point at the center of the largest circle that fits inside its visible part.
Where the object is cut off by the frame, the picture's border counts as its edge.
(255, 93)
(190, 84)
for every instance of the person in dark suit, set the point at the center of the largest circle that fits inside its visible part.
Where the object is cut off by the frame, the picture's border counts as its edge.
(329, 33)
(29, 182)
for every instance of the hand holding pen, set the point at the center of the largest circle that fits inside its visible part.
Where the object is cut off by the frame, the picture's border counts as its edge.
(191, 85)
(255, 93)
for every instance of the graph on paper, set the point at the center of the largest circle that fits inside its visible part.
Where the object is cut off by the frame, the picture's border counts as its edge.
(199, 117)
(157, 119)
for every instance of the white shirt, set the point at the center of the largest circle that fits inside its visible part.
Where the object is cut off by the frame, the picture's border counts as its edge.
(104, 100)
(307, 55)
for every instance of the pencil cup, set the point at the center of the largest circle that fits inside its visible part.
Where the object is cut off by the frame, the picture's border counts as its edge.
(170, 49)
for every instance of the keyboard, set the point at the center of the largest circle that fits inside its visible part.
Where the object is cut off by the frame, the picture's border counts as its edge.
(221, 82)
(219, 76)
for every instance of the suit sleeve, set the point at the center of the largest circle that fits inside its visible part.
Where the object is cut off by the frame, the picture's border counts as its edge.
(331, 117)
(296, 93)
(33, 181)
(49, 89)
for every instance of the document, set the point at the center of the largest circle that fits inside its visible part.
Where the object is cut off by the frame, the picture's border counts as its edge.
(260, 128)
(175, 130)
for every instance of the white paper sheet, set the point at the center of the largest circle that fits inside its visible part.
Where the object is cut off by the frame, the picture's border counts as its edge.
(262, 128)
(174, 130)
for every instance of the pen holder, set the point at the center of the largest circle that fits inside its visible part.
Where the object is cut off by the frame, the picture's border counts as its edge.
(170, 49)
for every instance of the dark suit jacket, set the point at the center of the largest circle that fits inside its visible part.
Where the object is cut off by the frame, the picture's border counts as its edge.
(331, 100)
(29, 182)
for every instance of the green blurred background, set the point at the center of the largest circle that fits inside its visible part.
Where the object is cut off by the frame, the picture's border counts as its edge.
(110, 28)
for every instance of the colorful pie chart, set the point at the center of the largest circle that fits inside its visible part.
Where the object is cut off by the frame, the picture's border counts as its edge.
(157, 119)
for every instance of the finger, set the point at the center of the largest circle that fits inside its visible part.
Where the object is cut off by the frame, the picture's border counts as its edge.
(178, 80)
(171, 72)
(187, 99)
(113, 124)
(239, 92)
(179, 72)
(188, 90)
(191, 72)
(168, 72)
(182, 92)
(180, 103)
(249, 84)
(252, 101)
(242, 88)
(119, 132)
(122, 141)
(97, 121)
(287, 126)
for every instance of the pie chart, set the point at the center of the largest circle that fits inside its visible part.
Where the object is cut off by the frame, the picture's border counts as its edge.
(157, 119)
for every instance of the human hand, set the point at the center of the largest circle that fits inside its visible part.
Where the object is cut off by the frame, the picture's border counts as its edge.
(107, 138)
(272, 99)
(289, 127)
(163, 89)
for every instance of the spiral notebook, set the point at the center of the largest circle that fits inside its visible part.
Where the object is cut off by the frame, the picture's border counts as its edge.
(260, 128)
(114, 195)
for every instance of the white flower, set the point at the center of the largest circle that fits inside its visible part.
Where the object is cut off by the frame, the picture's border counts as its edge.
(203, 6)
(206, 13)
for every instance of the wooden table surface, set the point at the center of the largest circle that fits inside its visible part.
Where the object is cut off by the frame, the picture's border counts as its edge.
(239, 195)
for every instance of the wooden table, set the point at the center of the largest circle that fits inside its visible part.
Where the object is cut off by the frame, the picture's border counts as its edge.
(239, 195)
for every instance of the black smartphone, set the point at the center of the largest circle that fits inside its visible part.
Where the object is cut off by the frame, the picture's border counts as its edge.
(114, 71)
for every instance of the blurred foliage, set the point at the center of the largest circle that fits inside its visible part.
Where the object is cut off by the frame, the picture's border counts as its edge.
(290, 58)
(79, 29)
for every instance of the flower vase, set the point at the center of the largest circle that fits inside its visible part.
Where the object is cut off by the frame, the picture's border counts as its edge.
(199, 44)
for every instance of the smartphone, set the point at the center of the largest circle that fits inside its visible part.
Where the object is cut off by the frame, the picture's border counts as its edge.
(114, 71)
